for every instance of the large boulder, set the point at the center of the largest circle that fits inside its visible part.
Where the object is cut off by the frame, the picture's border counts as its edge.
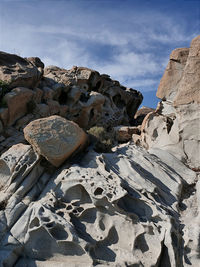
(55, 138)
(17, 71)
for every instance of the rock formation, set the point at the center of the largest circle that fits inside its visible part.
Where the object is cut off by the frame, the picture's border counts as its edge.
(64, 204)
(175, 125)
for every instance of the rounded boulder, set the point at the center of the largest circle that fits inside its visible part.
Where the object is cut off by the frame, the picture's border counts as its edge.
(55, 138)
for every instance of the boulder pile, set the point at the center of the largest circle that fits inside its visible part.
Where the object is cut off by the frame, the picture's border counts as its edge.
(134, 201)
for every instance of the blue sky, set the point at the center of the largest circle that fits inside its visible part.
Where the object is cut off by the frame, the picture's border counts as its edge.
(128, 39)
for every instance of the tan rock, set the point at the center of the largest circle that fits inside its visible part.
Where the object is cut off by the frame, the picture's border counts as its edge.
(20, 72)
(55, 138)
(124, 133)
(189, 86)
(17, 101)
(136, 139)
(170, 81)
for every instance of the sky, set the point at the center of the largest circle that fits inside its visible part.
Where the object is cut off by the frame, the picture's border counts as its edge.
(130, 40)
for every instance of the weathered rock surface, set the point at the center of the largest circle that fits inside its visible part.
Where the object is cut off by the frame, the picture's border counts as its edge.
(169, 83)
(175, 125)
(55, 138)
(90, 98)
(108, 209)
(20, 72)
(17, 101)
(129, 207)
(125, 133)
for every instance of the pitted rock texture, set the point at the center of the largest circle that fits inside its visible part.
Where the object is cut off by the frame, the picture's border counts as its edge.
(114, 209)
(55, 138)
(88, 98)
(175, 125)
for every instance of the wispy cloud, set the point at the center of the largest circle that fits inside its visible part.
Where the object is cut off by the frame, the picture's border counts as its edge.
(129, 42)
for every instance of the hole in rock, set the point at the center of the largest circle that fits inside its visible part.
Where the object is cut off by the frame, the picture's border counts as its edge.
(84, 98)
(61, 213)
(34, 223)
(164, 257)
(76, 115)
(118, 101)
(91, 115)
(174, 239)
(58, 232)
(41, 210)
(97, 86)
(88, 215)
(59, 205)
(69, 207)
(101, 225)
(77, 192)
(50, 225)
(80, 209)
(45, 219)
(98, 191)
(62, 98)
(109, 195)
(140, 243)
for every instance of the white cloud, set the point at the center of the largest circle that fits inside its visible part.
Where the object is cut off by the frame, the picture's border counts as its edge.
(128, 44)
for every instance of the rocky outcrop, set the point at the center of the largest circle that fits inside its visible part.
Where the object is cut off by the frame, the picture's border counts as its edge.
(90, 99)
(55, 138)
(29, 92)
(111, 204)
(175, 125)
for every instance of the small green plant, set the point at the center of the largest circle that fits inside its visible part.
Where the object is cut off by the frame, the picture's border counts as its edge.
(102, 139)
